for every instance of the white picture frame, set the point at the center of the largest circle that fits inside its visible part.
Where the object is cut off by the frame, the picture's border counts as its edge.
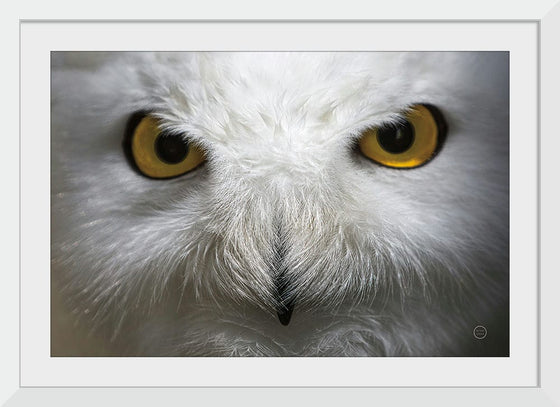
(546, 18)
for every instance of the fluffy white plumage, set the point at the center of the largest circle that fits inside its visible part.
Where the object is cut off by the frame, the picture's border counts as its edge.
(380, 261)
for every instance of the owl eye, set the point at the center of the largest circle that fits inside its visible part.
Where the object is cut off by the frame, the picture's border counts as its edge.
(162, 154)
(407, 144)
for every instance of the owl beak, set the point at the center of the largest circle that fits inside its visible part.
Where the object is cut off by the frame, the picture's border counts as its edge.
(286, 305)
(285, 313)
(284, 300)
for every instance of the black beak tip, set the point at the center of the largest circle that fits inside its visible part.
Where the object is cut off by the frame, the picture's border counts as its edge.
(285, 315)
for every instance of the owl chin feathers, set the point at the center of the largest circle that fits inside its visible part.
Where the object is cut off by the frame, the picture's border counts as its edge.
(287, 241)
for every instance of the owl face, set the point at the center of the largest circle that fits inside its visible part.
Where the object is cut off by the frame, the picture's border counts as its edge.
(283, 214)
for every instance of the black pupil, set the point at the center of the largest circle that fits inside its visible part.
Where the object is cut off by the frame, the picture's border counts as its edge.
(396, 139)
(171, 148)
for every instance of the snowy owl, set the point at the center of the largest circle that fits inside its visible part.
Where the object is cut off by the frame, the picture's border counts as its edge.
(280, 204)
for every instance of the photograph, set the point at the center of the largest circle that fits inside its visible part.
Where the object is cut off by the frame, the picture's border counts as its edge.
(280, 204)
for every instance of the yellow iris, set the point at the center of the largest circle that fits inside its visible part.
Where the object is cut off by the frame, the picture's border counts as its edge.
(408, 144)
(160, 154)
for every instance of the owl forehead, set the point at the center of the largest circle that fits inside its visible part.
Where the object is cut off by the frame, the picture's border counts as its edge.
(285, 97)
